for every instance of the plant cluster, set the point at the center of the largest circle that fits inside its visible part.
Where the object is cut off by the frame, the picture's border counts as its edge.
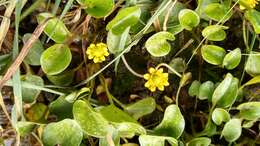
(132, 72)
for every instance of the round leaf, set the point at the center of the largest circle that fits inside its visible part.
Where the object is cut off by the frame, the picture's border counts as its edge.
(97, 8)
(253, 64)
(55, 28)
(92, 122)
(125, 18)
(55, 59)
(66, 133)
(188, 19)
(232, 130)
(216, 11)
(200, 141)
(206, 90)
(172, 124)
(232, 59)
(220, 115)
(194, 88)
(157, 44)
(249, 110)
(214, 32)
(213, 54)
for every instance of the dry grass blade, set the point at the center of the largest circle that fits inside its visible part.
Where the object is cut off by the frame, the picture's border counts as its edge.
(6, 21)
(11, 70)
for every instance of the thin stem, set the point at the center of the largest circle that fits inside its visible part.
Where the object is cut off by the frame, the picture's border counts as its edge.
(178, 94)
(170, 68)
(166, 18)
(130, 69)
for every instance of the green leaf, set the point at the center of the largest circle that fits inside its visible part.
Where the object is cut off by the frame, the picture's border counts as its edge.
(200, 141)
(226, 92)
(141, 107)
(206, 90)
(30, 95)
(157, 44)
(92, 122)
(35, 52)
(249, 110)
(214, 32)
(213, 54)
(202, 4)
(55, 59)
(232, 59)
(114, 114)
(129, 130)
(217, 12)
(61, 108)
(194, 88)
(220, 115)
(188, 19)
(66, 133)
(172, 124)
(62, 79)
(5, 60)
(254, 80)
(55, 28)
(253, 64)
(178, 64)
(254, 18)
(97, 8)
(209, 130)
(125, 18)
(116, 43)
(37, 112)
(150, 140)
(232, 130)
(25, 128)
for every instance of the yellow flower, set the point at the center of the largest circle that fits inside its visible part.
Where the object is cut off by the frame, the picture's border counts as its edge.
(248, 3)
(97, 52)
(156, 79)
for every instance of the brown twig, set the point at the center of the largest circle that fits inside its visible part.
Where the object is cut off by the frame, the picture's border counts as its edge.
(11, 70)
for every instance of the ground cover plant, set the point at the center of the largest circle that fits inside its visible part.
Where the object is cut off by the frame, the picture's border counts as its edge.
(129, 72)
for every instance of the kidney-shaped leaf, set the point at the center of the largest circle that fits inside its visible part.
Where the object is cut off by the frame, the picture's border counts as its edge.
(25, 128)
(55, 28)
(194, 88)
(97, 8)
(213, 54)
(249, 110)
(92, 122)
(188, 19)
(232, 59)
(66, 133)
(157, 44)
(206, 90)
(172, 124)
(220, 115)
(200, 141)
(125, 18)
(214, 32)
(254, 18)
(232, 130)
(55, 59)
(141, 108)
(150, 140)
